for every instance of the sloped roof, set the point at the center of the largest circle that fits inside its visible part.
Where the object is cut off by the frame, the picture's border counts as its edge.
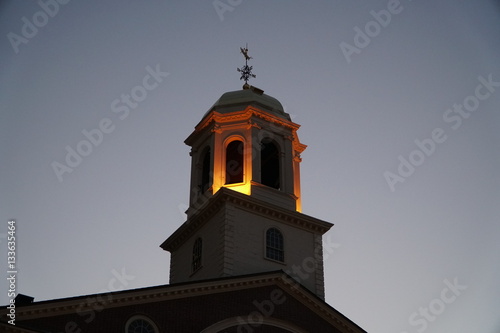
(133, 298)
(238, 100)
(224, 195)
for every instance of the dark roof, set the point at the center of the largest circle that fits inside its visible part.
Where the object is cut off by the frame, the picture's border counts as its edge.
(238, 100)
(150, 296)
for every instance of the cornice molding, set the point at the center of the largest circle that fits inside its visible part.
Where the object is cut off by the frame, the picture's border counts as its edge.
(249, 203)
(214, 119)
(171, 292)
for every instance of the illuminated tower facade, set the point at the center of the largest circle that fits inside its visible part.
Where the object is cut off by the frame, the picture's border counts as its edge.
(244, 214)
(247, 143)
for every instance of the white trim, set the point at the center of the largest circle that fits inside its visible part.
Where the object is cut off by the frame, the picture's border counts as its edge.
(228, 140)
(265, 244)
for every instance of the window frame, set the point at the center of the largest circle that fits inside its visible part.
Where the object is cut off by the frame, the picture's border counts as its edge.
(134, 318)
(229, 141)
(280, 250)
(205, 175)
(276, 166)
(197, 255)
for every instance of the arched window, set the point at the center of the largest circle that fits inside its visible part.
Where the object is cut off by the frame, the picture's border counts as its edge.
(140, 324)
(269, 164)
(197, 251)
(274, 245)
(205, 171)
(234, 162)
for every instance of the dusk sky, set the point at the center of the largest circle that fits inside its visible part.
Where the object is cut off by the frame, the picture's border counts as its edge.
(398, 102)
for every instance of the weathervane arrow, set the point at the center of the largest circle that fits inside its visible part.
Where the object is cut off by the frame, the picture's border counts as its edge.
(246, 71)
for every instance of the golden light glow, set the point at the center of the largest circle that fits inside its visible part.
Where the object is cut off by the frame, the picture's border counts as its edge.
(244, 188)
(298, 206)
(220, 172)
(246, 126)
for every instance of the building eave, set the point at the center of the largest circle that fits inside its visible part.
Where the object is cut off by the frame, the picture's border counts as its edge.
(214, 118)
(245, 202)
(280, 279)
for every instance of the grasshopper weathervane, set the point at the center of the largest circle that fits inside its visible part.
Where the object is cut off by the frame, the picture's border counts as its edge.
(246, 71)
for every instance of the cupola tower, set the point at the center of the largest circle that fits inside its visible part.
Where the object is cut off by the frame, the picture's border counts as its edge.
(247, 143)
(244, 212)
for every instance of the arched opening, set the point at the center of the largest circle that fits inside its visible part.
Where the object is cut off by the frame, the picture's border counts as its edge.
(275, 245)
(234, 162)
(246, 324)
(205, 171)
(197, 252)
(141, 324)
(269, 164)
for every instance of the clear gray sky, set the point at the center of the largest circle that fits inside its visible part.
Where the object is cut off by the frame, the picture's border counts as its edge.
(399, 106)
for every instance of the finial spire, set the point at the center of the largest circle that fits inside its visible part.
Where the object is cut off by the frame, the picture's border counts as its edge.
(246, 71)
